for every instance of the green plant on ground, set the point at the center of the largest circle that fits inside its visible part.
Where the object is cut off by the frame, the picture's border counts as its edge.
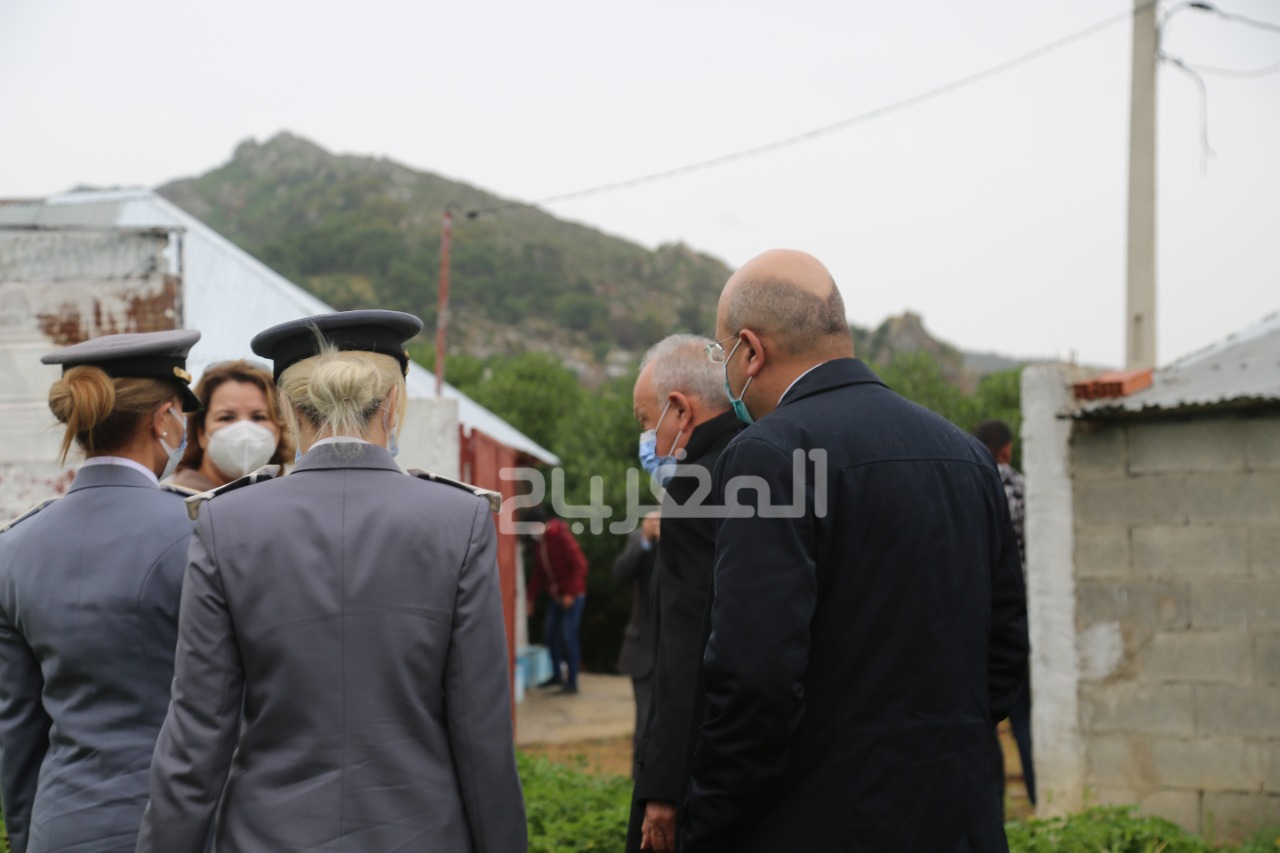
(1120, 830)
(569, 809)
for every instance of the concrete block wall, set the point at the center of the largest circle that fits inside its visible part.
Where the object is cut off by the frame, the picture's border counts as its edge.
(1176, 524)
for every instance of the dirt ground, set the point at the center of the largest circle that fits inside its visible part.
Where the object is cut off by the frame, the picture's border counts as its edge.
(604, 756)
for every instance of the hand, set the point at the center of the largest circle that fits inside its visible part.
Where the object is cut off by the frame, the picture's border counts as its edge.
(658, 832)
(567, 601)
(652, 526)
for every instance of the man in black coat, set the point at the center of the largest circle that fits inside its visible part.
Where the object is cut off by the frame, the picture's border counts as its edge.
(868, 623)
(634, 567)
(678, 394)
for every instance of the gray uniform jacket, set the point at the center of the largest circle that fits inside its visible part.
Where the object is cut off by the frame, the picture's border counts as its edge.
(353, 613)
(89, 591)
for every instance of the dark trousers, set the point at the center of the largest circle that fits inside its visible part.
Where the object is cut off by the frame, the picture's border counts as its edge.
(643, 690)
(1020, 723)
(561, 626)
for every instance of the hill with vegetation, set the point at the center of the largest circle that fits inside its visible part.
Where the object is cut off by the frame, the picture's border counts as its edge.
(363, 231)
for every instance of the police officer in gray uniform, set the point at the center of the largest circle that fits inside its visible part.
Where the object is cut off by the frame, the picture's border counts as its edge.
(89, 591)
(353, 612)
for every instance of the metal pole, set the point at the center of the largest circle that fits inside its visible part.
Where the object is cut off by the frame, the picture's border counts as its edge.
(442, 310)
(1140, 313)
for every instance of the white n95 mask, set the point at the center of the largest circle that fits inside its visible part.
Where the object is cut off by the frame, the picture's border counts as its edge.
(241, 448)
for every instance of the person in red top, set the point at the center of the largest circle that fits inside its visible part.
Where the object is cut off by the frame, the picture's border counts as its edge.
(560, 568)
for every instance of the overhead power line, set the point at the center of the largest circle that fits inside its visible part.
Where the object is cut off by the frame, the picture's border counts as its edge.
(843, 124)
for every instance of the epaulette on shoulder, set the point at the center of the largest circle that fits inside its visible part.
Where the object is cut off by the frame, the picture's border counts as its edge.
(494, 498)
(27, 514)
(266, 472)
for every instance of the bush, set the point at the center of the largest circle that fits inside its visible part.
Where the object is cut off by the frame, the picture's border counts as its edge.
(1119, 830)
(571, 810)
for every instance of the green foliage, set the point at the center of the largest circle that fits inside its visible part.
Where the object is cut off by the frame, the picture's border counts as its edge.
(568, 809)
(919, 377)
(1118, 830)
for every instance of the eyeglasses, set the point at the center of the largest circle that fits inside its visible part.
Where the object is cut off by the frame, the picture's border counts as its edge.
(715, 351)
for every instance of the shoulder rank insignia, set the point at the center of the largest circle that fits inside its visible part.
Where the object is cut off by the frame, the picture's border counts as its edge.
(175, 489)
(27, 514)
(494, 498)
(266, 472)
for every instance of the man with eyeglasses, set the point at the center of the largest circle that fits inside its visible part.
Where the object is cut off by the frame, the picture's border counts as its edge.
(868, 621)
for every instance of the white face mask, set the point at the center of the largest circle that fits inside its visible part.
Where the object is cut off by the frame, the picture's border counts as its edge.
(175, 453)
(241, 448)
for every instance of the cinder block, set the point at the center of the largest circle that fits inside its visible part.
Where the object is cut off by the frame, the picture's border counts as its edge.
(1099, 450)
(1252, 497)
(1238, 711)
(1235, 817)
(1250, 604)
(1102, 551)
(1204, 444)
(1120, 761)
(1262, 443)
(1266, 660)
(1151, 499)
(1272, 782)
(1264, 549)
(1133, 708)
(1140, 607)
(1195, 550)
(1198, 656)
(1210, 764)
(1181, 807)
(1111, 795)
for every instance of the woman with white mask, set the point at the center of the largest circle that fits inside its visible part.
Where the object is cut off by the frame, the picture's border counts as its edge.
(238, 430)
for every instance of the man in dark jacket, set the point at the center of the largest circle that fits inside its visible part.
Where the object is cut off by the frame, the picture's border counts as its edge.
(634, 567)
(678, 395)
(868, 623)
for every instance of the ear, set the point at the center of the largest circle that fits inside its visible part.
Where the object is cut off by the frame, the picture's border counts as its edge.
(161, 422)
(754, 347)
(682, 408)
(392, 400)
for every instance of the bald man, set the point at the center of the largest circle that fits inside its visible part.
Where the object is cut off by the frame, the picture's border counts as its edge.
(868, 621)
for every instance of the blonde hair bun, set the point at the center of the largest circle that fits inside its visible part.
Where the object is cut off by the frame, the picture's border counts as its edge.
(83, 398)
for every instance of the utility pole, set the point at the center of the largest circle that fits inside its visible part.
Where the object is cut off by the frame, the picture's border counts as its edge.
(1140, 313)
(442, 307)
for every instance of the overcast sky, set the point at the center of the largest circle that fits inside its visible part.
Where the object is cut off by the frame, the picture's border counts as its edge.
(997, 211)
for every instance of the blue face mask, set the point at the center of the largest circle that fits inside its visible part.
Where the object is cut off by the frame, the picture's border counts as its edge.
(393, 446)
(739, 407)
(661, 468)
(174, 454)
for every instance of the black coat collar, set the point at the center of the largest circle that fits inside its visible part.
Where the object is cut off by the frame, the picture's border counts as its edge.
(708, 434)
(830, 374)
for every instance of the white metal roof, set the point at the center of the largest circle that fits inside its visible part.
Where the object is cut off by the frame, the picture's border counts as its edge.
(228, 294)
(1242, 368)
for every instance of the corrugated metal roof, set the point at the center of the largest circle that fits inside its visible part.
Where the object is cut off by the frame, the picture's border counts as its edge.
(1242, 368)
(228, 294)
